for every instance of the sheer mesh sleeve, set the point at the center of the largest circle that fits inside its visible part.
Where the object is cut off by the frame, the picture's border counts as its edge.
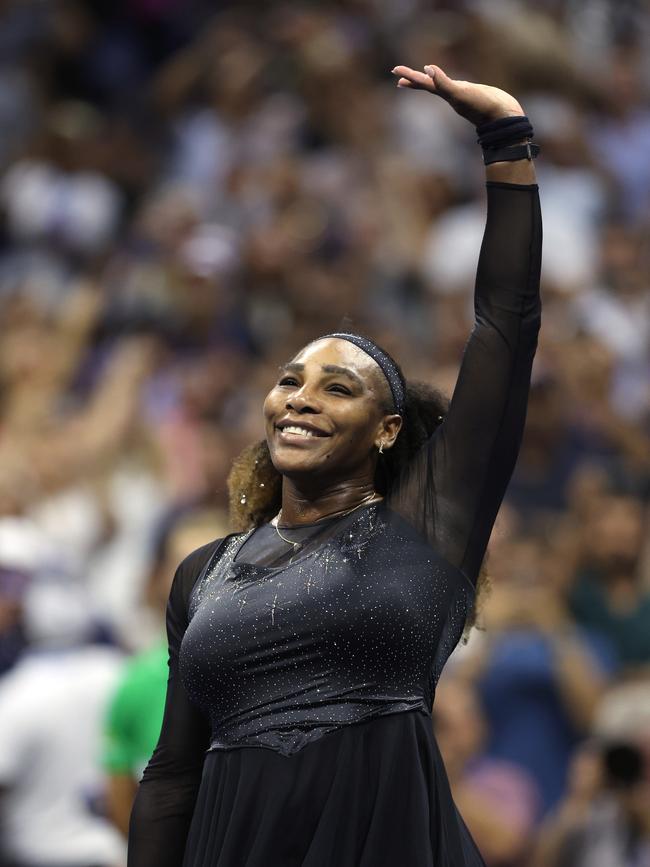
(165, 800)
(453, 489)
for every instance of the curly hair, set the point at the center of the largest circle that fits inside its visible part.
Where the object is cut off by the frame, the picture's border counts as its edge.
(255, 486)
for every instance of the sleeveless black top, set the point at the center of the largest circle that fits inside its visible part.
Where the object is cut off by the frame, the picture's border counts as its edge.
(297, 728)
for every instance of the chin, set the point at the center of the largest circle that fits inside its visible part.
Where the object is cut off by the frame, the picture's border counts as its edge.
(296, 468)
(291, 463)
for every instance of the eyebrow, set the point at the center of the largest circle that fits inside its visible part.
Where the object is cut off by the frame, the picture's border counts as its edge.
(297, 367)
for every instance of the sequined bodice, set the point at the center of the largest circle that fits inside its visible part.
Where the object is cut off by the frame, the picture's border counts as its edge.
(357, 627)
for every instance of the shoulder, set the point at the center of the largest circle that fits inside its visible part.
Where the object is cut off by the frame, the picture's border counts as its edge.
(193, 564)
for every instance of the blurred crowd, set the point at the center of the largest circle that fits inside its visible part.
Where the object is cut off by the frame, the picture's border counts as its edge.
(189, 191)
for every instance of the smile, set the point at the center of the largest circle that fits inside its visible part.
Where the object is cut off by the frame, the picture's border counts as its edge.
(304, 432)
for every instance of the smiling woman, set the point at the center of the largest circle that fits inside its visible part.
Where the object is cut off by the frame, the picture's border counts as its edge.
(305, 649)
(351, 405)
(255, 482)
(333, 392)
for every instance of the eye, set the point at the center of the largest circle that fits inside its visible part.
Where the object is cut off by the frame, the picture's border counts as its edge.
(288, 380)
(339, 389)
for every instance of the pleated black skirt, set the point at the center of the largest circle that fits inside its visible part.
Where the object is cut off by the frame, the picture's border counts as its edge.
(372, 794)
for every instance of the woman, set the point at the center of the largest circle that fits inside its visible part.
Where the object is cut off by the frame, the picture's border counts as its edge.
(304, 652)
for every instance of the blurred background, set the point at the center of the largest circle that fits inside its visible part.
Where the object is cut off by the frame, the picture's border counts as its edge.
(189, 191)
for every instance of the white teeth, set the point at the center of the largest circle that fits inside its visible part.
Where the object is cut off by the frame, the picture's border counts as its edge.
(294, 429)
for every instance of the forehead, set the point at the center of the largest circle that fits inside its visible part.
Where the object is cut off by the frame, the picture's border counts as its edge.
(333, 350)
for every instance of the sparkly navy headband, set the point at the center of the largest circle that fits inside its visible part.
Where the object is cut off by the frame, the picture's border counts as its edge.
(389, 369)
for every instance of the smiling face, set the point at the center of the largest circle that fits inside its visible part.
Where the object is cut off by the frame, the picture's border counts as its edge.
(327, 413)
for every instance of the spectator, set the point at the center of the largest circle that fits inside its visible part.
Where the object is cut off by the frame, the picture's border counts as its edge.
(51, 706)
(539, 677)
(603, 820)
(609, 597)
(497, 799)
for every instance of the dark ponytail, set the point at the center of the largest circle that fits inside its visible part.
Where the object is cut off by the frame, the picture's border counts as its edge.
(425, 410)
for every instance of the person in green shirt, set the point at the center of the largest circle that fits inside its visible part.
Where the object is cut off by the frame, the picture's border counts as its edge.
(609, 596)
(135, 712)
(132, 728)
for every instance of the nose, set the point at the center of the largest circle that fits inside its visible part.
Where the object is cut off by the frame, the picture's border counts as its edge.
(302, 400)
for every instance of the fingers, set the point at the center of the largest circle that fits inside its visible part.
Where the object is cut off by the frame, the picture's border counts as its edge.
(442, 81)
(433, 79)
(413, 79)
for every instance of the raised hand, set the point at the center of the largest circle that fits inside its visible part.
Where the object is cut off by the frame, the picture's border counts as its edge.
(478, 103)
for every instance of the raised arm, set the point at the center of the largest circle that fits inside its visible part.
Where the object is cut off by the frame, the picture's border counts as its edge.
(458, 481)
(164, 804)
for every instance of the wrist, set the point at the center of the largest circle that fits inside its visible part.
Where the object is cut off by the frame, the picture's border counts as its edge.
(500, 115)
(512, 172)
(504, 131)
(508, 140)
(526, 151)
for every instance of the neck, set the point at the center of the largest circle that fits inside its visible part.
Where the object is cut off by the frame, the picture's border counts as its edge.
(300, 505)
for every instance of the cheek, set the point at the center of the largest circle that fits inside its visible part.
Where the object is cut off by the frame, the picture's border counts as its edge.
(357, 432)
(270, 405)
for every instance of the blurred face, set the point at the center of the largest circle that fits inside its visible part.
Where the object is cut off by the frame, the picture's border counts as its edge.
(326, 414)
(616, 532)
(190, 533)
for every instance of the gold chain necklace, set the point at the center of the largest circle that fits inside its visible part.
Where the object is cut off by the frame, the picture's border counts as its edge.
(298, 545)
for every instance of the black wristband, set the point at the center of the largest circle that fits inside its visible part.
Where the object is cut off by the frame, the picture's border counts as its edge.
(504, 131)
(528, 151)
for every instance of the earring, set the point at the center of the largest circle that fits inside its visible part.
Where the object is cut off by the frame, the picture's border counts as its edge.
(381, 448)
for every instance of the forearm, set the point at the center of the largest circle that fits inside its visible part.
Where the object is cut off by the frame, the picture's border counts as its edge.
(164, 803)
(508, 273)
(579, 683)
(160, 821)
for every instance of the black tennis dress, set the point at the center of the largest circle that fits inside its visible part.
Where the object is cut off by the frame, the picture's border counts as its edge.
(297, 729)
